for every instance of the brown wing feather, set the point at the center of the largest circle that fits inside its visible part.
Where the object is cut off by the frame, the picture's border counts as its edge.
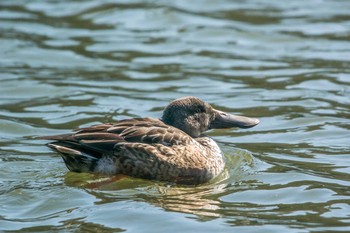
(94, 128)
(104, 137)
(136, 122)
(167, 136)
(149, 130)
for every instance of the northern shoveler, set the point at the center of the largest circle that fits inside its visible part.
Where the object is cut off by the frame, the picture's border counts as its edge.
(172, 148)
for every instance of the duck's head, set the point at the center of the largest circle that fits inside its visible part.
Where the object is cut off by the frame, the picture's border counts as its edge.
(195, 116)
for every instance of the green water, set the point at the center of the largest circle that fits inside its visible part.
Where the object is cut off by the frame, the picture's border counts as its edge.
(69, 64)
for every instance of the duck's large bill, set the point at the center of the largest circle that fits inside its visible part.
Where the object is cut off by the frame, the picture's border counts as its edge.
(224, 120)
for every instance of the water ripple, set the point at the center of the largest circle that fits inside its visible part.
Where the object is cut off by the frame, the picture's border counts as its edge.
(68, 64)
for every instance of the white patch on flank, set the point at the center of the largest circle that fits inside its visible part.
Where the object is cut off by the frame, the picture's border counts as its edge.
(106, 166)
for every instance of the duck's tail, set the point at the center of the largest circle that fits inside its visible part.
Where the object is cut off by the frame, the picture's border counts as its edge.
(75, 159)
(87, 152)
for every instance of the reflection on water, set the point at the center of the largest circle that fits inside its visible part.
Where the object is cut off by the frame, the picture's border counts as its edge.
(186, 199)
(68, 64)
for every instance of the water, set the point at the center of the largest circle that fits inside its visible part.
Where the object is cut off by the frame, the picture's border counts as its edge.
(68, 64)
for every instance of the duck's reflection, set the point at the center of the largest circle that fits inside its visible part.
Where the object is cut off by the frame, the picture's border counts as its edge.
(199, 200)
(202, 200)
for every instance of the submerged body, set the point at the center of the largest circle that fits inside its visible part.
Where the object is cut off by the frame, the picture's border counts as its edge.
(169, 149)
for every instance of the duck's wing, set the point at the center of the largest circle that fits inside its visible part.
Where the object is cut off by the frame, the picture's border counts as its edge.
(105, 137)
(150, 131)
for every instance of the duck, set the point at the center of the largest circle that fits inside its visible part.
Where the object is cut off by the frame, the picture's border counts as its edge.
(172, 149)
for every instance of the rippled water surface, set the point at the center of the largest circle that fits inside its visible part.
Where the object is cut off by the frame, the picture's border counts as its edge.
(68, 64)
